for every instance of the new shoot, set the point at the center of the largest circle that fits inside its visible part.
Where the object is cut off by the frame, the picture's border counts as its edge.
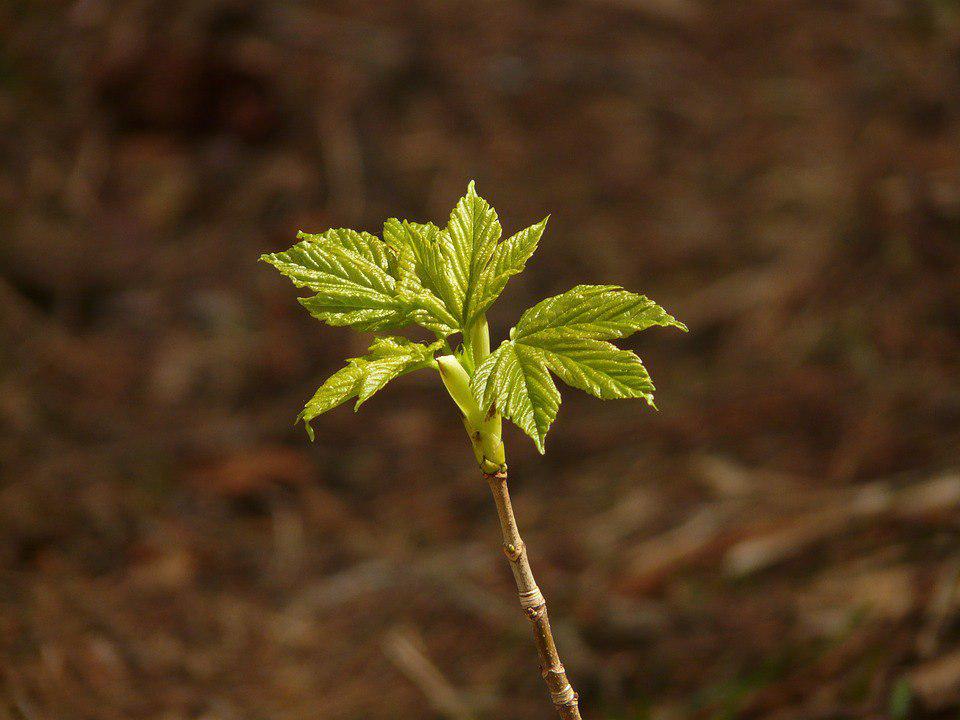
(445, 280)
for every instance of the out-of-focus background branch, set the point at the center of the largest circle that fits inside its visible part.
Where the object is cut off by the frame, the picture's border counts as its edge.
(780, 541)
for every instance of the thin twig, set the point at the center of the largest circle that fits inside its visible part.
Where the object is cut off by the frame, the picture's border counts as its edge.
(405, 648)
(532, 601)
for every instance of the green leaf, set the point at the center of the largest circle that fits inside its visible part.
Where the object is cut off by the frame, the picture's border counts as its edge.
(508, 259)
(387, 358)
(566, 335)
(594, 366)
(363, 244)
(445, 280)
(600, 312)
(473, 232)
(427, 282)
(515, 379)
(450, 277)
(351, 274)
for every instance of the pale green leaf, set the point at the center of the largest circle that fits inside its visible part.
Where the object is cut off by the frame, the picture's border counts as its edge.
(594, 366)
(600, 312)
(387, 358)
(566, 335)
(338, 388)
(508, 259)
(426, 309)
(450, 277)
(473, 232)
(445, 280)
(350, 273)
(391, 357)
(516, 381)
(362, 243)
(367, 319)
(427, 282)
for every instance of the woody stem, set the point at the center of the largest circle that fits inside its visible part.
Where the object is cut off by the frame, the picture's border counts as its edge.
(532, 601)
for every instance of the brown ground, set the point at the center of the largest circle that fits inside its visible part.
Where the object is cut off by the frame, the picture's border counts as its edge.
(780, 541)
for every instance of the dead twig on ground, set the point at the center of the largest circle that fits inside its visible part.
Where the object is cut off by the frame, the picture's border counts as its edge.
(407, 651)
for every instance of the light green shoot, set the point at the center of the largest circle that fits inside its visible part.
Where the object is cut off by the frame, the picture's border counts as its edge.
(445, 280)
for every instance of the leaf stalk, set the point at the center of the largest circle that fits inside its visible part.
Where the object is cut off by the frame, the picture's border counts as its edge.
(485, 430)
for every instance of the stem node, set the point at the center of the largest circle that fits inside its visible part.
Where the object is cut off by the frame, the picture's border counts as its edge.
(512, 551)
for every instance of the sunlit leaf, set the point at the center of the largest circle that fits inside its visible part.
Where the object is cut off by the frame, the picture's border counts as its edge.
(387, 358)
(350, 273)
(508, 259)
(566, 335)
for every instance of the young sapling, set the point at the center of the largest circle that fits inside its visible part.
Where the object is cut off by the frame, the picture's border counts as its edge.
(445, 279)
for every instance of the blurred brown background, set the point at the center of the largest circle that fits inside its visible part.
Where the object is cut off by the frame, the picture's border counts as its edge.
(779, 541)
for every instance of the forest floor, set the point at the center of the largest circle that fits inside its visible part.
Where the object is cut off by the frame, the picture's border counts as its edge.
(781, 540)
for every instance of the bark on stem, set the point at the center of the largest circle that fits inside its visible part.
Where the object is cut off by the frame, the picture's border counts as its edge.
(533, 603)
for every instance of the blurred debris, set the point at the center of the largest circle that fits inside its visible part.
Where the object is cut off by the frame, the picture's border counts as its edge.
(407, 650)
(943, 606)
(678, 11)
(781, 176)
(939, 496)
(757, 553)
(255, 471)
(914, 503)
(649, 563)
(937, 682)
(725, 478)
(846, 595)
